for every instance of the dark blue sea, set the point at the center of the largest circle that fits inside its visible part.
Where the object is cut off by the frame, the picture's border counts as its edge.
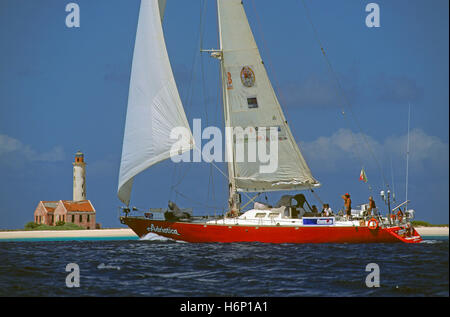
(161, 267)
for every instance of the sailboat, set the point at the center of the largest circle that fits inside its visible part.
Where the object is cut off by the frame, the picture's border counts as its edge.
(249, 101)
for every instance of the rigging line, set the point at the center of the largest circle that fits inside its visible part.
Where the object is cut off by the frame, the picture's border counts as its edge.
(194, 63)
(205, 98)
(281, 95)
(196, 202)
(342, 91)
(276, 87)
(219, 94)
(196, 148)
(202, 70)
(407, 156)
(356, 147)
(272, 71)
(205, 103)
(172, 182)
(254, 197)
(226, 176)
(182, 176)
(221, 172)
(191, 86)
(317, 196)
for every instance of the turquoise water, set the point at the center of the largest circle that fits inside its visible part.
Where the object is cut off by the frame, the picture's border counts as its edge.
(72, 239)
(135, 238)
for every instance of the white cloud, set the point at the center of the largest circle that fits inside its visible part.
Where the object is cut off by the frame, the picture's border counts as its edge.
(426, 151)
(15, 149)
(330, 153)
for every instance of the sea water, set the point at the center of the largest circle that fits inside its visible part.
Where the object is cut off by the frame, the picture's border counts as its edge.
(156, 266)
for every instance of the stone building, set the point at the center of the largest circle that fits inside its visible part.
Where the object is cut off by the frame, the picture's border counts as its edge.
(79, 211)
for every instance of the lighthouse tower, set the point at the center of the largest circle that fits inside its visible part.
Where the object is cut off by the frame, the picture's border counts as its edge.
(79, 177)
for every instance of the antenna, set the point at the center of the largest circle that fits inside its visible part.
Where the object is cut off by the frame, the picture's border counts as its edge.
(407, 156)
(392, 176)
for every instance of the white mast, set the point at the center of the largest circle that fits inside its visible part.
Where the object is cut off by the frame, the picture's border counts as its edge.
(233, 199)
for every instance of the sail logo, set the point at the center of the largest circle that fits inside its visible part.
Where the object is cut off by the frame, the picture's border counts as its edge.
(158, 229)
(247, 76)
(258, 145)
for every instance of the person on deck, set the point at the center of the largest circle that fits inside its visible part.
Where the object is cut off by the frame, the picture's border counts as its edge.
(400, 215)
(322, 213)
(326, 212)
(348, 205)
(372, 207)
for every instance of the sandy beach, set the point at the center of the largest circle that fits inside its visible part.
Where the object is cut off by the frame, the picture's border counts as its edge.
(100, 233)
(125, 232)
(432, 231)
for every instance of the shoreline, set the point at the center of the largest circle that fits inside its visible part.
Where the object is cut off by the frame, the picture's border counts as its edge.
(123, 233)
(432, 231)
(94, 233)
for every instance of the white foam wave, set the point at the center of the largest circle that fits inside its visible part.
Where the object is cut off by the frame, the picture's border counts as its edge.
(102, 266)
(430, 241)
(154, 237)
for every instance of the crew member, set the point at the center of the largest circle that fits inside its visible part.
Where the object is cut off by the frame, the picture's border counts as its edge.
(326, 210)
(348, 205)
(400, 214)
(372, 206)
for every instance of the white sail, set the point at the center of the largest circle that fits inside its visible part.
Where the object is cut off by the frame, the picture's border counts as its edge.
(250, 102)
(154, 105)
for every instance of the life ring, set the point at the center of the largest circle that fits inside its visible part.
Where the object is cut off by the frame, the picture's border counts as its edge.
(372, 224)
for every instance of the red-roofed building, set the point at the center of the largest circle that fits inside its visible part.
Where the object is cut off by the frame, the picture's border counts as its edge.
(78, 211)
(44, 213)
(81, 213)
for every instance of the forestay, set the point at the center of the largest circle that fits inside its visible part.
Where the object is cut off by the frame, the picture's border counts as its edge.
(250, 102)
(154, 105)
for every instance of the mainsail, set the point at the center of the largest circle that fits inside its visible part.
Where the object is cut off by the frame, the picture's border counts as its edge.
(250, 102)
(154, 105)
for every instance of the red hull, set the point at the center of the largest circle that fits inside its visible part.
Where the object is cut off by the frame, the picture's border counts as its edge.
(200, 232)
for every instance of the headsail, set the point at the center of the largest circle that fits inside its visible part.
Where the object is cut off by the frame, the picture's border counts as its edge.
(154, 105)
(250, 102)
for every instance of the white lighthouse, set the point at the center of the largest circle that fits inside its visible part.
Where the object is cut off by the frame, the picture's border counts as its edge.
(79, 177)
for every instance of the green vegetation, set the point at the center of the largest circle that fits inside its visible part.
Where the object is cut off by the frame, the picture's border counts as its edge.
(60, 225)
(419, 223)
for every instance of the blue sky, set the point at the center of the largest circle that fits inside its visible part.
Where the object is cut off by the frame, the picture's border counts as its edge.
(65, 89)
